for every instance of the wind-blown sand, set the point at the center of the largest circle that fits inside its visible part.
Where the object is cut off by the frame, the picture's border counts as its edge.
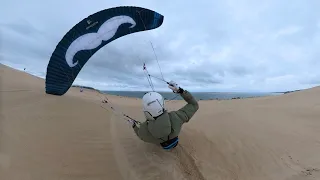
(72, 137)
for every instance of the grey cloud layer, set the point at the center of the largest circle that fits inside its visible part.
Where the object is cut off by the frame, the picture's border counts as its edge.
(207, 45)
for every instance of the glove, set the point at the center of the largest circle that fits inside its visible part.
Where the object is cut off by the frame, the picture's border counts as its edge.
(175, 87)
(132, 122)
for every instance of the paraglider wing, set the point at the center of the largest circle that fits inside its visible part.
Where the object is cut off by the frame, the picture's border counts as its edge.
(88, 36)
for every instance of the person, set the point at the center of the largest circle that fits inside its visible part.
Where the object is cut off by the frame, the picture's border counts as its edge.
(162, 127)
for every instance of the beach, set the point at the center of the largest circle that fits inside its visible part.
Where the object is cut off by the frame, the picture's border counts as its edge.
(75, 136)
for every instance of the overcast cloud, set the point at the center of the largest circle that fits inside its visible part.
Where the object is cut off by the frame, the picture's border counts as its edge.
(212, 45)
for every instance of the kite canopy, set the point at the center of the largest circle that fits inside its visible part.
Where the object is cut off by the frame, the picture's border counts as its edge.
(88, 36)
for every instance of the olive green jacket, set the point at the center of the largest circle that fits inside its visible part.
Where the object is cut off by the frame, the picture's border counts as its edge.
(167, 125)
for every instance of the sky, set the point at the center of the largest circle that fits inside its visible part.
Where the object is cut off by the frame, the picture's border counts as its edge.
(212, 45)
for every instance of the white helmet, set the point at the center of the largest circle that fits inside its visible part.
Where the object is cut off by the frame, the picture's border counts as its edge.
(153, 104)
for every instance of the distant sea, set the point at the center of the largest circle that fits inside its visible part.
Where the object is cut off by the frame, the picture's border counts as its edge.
(197, 95)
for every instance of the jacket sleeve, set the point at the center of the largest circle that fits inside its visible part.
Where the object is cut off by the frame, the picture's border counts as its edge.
(136, 130)
(187, 111)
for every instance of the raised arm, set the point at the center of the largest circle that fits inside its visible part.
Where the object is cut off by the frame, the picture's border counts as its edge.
(187, 111)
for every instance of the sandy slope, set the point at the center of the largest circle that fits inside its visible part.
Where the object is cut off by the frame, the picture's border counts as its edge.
(72, 137)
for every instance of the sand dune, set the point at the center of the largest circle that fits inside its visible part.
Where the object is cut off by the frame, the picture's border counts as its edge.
(76, 137)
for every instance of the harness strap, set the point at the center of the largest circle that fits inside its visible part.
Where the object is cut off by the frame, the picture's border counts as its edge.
(170, 144)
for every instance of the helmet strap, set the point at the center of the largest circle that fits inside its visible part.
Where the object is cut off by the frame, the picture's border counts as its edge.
(148, 116)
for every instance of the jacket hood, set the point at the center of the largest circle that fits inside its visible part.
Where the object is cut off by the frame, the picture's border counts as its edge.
(161, 126)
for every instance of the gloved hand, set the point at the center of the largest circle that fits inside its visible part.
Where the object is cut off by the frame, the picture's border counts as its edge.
(132, 122)
(175, 87)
